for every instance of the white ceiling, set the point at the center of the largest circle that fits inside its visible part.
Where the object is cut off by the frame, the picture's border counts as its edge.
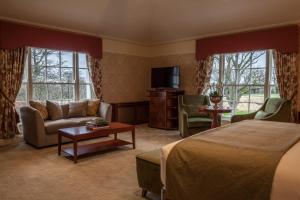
(153, 21)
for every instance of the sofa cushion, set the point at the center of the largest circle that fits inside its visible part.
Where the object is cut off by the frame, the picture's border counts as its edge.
(41, 107)
(78, 109)
(93, 107)
(65, 110)
(194, 122)
(272, 105)
(54, 110)
(261, 114)
(52, 126)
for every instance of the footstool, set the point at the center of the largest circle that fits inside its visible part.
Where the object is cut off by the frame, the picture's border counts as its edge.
(148, 172)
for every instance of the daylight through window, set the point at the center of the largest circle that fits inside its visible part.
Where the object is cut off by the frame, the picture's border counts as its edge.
(248, 78)
(60, 76)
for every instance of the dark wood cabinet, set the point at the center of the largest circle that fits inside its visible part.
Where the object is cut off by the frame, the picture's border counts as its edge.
(131, 112)
(163, 108)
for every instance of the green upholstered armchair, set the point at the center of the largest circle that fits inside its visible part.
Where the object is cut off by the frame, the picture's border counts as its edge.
(191, 121)
(273, 109)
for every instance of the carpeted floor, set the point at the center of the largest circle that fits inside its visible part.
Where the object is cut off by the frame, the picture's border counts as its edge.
(27, 173)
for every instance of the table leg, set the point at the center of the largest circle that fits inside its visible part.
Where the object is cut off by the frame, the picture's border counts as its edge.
(75, 151)
(59, 143)
(215, 120)
(133, 137)
(115, 136)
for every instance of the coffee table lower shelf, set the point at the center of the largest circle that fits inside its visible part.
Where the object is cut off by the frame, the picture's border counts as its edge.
(95, 147)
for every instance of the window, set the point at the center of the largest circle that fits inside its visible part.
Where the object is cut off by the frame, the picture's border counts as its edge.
(248, 79)
(60, 76)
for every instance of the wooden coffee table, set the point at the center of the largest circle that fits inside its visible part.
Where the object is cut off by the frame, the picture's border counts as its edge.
(77, 134)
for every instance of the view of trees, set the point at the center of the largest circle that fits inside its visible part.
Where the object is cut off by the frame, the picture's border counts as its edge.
(244, 78)
(53, 76)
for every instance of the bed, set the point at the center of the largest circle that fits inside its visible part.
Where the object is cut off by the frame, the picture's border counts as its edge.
(251, 159)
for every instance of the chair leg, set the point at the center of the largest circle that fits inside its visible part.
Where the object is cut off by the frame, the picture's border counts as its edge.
(144, 192)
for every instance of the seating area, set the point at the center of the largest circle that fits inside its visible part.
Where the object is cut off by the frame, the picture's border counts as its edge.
(192, 121)
(41, 131)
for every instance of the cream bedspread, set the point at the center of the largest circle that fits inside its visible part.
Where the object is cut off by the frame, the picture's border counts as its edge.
(287, 175)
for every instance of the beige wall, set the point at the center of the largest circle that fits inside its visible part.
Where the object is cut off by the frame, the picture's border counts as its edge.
(125, 77)
(127, 66)
(127, 48)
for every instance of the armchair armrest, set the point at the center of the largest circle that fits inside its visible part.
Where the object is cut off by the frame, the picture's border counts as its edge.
(105, 111)
(33, 126)
(183, 122)
(283, 113)
(237, 118)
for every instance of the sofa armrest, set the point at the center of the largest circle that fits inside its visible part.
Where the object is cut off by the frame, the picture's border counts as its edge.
(33, 126)
(105, 111)
(237, 118)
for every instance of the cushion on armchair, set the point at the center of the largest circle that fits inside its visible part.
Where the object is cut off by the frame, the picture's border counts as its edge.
(261, 114)
(193, 111)
(272, 105)
(194, 122)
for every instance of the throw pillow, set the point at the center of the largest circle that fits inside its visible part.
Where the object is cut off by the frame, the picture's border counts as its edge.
(54, 110)
(65, 110)
(93, 107)
(261, 114)
(41, 107)
(78, 109)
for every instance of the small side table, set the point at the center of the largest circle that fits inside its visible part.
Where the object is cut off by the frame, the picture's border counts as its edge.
(214, 112)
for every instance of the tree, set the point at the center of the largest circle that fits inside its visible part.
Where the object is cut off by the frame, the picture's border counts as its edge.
(238, 74)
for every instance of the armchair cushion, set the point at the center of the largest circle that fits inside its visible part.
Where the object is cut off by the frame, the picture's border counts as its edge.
(193, 111)
(272, 105)
(261, 114)
(194, 122)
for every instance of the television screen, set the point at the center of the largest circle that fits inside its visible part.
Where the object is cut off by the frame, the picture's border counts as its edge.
(165, 77)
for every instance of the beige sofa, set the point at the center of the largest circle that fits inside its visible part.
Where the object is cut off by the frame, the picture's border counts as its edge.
(40, 133)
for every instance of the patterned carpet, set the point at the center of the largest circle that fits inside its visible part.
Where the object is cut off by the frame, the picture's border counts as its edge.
(27, 173)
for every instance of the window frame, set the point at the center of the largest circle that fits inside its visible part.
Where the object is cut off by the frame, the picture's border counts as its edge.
(267, 84)
(75, 70)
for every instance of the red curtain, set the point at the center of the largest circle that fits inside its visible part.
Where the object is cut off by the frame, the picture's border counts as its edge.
(284, 39)
(14, 35)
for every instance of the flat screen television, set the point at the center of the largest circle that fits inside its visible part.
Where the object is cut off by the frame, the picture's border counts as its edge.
(165, 77)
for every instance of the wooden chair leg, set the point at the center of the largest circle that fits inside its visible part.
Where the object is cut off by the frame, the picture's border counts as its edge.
(144, 192)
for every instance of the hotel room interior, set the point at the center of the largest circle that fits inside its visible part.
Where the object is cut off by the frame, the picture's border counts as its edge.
(149, 99)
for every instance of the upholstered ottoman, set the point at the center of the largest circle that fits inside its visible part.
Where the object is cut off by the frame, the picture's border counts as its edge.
(148, 172)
